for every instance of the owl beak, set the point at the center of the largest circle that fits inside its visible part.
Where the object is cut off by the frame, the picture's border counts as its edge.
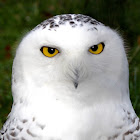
(75, 85)
(74, 75)
(75, 80)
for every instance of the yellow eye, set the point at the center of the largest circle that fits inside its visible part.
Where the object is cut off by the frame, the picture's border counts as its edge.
(49, 52)
(96, 49)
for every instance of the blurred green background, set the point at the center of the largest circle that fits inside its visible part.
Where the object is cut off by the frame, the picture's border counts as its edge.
(18, 17)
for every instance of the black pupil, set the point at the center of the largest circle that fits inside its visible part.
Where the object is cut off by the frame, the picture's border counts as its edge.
(51, 50)
(94, 48)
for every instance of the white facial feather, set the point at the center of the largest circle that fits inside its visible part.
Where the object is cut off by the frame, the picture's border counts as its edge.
(74, 95)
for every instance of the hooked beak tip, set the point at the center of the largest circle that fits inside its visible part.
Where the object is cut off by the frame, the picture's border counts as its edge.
(75, 85)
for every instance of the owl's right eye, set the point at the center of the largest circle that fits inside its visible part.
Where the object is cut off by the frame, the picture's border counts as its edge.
(48, 51)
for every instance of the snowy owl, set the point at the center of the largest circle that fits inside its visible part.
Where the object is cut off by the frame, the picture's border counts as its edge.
(70, 82)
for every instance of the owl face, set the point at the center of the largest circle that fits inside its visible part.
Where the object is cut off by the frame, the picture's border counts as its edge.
(71, 51)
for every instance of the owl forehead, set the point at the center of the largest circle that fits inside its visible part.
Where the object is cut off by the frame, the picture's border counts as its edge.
(74, 20)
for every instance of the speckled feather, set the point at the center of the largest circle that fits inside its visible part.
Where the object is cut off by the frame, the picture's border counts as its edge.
(73, 19)
(23, 129)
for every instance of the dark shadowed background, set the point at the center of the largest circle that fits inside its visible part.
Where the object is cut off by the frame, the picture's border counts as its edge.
(18, 17)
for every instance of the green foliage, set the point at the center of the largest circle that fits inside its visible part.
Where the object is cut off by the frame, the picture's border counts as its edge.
(16, 17)
(135, 79)
(5, 89)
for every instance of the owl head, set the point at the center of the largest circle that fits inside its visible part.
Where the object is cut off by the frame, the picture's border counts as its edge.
(71, 55)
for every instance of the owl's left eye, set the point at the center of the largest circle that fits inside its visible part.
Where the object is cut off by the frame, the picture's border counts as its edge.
(96, 49)
(48, 51)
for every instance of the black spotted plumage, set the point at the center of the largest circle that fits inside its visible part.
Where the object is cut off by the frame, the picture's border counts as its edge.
(15, 129)
(73, 19)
